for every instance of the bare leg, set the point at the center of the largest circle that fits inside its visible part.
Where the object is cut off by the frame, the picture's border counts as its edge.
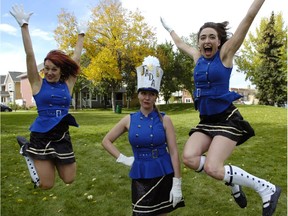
(46, 172)
(67, 172)
(196, 145)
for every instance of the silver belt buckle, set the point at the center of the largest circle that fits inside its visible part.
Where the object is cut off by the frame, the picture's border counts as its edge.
(198, 92)
(58, 113)
(155, 153)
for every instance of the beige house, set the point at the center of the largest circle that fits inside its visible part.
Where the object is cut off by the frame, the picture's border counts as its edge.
(10, 88)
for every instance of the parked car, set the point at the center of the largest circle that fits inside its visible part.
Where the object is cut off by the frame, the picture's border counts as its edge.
(5, 108)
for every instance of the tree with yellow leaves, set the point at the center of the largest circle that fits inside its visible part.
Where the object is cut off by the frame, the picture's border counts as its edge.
(116, 42)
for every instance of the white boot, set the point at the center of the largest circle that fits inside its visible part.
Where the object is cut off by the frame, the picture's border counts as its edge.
(235, 175)
(29, 161)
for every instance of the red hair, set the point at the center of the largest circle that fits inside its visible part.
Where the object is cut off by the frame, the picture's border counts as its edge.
(67, 65)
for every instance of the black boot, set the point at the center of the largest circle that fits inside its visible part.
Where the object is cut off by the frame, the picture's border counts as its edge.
(240, 200)
(269, 210)
(23, 142)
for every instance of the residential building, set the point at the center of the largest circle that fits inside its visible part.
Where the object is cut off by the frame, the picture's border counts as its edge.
(10, 88)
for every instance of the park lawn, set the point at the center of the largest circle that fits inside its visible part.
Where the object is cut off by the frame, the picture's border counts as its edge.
(264, 155)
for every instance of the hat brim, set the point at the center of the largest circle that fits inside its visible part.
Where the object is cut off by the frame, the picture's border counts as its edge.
(148, 89)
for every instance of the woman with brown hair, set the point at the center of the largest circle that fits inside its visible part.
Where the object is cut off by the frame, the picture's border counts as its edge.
(50, 144)
(221, 127)
(155, 166)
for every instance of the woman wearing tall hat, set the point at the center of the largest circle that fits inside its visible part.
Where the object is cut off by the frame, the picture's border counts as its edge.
(155, 166)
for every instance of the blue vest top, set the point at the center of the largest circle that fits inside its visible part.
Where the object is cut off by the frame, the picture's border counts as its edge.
(211, 77)
(53, 101)
(148, 140)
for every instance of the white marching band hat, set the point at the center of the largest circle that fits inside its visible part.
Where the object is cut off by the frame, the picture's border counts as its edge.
(149, 75)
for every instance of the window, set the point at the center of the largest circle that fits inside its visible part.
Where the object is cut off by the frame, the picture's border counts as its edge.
(187, 100)
(10, 87)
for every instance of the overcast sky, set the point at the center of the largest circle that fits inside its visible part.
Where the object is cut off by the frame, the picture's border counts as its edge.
(185, 16)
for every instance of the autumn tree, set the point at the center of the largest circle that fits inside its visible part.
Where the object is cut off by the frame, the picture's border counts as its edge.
(117, 41)
(66, 37)
(263, 59)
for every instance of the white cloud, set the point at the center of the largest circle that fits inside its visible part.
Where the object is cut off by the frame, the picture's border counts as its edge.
(42, 34)
(6, 28)
(12, 61)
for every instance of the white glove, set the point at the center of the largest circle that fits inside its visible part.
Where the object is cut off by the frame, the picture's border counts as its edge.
(19, 14)
(167, 27)
(125, 160)
(176, 192)
(82, 28)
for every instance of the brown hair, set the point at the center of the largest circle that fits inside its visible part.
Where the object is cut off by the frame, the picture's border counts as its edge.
(220, 28)
(158, 111)
(67, 65)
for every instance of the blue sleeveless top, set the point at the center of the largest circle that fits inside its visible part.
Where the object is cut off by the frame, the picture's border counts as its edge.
(52, 101)
(211, 77)
(148, 140)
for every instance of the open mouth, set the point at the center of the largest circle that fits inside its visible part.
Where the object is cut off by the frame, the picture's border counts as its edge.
(208, 50)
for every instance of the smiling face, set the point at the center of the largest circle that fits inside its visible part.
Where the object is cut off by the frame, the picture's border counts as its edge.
(52, 73)
(208, 42)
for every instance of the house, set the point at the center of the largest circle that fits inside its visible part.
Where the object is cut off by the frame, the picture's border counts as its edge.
(10, 88)
(249, 95)
(25, 88)
(3, 94)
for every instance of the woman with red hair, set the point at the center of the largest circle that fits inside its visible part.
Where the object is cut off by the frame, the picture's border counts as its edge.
(50, 144)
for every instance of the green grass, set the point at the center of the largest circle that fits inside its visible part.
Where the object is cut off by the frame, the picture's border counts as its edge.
(98, 174)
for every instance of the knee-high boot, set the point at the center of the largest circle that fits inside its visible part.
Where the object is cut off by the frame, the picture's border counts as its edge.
(29, 161)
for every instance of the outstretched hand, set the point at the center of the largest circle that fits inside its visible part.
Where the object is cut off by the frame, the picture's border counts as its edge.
(165, 25)
(20, 15)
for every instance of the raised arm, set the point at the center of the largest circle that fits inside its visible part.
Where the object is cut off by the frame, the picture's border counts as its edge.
(233, 44)
(32, 72)
(181, 45)
(81, 28)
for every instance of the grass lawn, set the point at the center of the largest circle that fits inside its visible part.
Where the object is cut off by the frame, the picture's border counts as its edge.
(264, 155)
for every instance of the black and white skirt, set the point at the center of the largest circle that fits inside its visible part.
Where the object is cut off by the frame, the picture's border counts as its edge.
(229, 123)
(150, 197)
(54, 145)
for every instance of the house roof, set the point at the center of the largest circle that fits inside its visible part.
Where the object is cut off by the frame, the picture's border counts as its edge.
(39, 68)
(2, 79)
(14, 75)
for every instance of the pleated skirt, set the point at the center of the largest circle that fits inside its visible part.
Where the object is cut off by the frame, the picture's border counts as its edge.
(229, 123)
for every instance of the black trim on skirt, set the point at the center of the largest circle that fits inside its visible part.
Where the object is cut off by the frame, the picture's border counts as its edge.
(54, 145)
(150, 197)
(229, 123)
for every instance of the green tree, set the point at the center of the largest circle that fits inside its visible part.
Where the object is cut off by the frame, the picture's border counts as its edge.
(263, 59)
(169, 82)
(184, 66)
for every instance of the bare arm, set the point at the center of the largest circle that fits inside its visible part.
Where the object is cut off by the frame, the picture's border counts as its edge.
(32, 71)
(120, 128)
(22, 17)
(233, 44)
(172, 145)
(181, 45)
(76, 57)
(187, 49)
